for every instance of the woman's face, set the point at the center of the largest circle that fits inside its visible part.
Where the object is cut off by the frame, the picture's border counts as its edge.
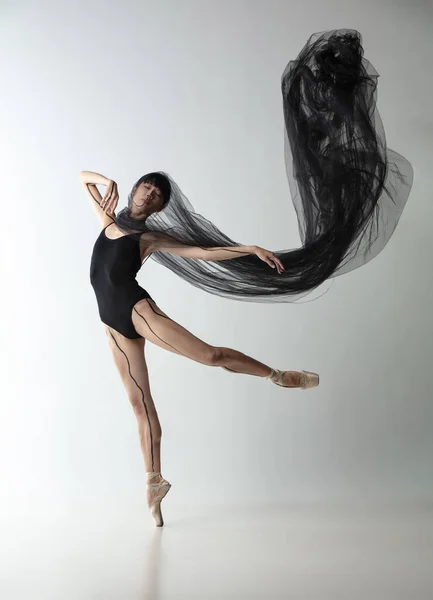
(146, 200)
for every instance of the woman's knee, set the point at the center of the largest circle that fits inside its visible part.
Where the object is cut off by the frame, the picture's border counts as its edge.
(215, 356)
(142, 406)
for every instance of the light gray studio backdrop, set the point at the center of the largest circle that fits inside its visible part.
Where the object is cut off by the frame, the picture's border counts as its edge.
(193, 88)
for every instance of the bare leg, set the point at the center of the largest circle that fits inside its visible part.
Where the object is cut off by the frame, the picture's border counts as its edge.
(153, 324)
(131, 363)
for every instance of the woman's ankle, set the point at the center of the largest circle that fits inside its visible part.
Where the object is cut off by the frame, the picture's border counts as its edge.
(153, 476)
(272, 374)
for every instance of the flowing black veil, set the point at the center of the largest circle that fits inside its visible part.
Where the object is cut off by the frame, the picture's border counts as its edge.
(348, 188)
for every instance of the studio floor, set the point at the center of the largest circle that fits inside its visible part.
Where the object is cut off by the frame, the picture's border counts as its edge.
(90, 552)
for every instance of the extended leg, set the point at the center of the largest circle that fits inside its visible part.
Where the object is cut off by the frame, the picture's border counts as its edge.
(153, 324)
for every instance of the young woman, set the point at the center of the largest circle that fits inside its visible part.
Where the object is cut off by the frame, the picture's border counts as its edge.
(131, 317)
(349, 191)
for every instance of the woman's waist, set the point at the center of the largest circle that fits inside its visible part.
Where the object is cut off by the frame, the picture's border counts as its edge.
(113, 284)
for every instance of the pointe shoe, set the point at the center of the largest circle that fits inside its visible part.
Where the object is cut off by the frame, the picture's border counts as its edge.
(157, 491)
(308, 379)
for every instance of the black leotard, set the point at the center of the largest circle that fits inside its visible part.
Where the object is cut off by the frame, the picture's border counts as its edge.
(113, 268)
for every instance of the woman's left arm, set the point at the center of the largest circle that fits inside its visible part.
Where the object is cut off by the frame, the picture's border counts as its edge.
(159, 242)
(225, 253)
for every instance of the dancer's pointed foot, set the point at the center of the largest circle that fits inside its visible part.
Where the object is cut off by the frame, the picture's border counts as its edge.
(294, 379)
(157, 489)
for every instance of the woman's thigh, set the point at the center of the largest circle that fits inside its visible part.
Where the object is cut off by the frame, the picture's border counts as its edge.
(129, 358)
(157, 327)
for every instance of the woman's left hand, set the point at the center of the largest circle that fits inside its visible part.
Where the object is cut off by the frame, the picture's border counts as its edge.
(269, 257)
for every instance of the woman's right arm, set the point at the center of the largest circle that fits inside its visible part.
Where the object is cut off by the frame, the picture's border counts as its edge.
(93, 178)
(89, 181)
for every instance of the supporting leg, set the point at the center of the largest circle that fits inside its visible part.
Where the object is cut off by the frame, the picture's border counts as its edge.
(130, 361)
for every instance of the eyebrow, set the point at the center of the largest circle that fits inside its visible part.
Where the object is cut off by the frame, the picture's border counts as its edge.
(156, 188)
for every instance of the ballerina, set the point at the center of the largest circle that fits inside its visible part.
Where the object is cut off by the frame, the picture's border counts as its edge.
(344, 183)
(131, 316)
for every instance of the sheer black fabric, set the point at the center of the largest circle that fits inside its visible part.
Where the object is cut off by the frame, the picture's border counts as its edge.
(348, 189)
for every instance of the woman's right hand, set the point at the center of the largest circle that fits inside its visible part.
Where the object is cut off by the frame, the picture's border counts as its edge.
(110, 198)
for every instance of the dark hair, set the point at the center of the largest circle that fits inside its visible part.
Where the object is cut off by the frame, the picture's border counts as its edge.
(160, 181)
